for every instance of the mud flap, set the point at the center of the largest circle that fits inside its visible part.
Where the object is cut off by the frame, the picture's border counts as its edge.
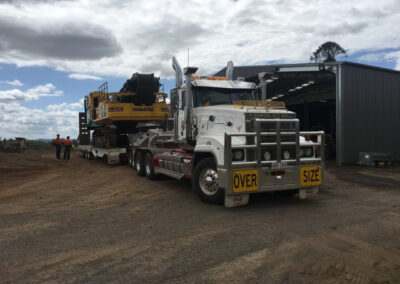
(236, 200)
(308, 192)
(113, 159)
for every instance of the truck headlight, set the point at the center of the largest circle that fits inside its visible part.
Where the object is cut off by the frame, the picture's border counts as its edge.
(267, 156)
(237, 155)
(286, 155)
(306, 152)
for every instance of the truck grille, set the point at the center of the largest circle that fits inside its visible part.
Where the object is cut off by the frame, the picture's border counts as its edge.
(277, 136)
(282, 134)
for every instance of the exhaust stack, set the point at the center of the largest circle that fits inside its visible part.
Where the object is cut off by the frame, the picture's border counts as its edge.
(178, 72)
(263, 83)
(188, 71)
(229, 70)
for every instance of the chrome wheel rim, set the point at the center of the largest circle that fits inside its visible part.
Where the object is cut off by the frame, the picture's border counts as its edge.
(138, 166)
(148, 172)
(209, 181)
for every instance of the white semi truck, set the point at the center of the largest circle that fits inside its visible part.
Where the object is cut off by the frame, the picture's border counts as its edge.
(228, 143)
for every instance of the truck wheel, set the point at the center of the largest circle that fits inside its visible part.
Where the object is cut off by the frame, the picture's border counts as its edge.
(139, 162)
(130, 161)
(148, 164)
(205, 182)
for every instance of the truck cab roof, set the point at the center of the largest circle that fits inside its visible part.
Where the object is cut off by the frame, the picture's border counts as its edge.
(225, 84)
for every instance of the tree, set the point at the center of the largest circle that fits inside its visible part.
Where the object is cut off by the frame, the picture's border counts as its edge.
(327, 52)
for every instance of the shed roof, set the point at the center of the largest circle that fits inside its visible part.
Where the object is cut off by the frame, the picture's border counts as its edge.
(253, 70)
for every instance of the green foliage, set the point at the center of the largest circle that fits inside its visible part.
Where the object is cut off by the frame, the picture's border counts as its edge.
(327, 52)
(38, 145)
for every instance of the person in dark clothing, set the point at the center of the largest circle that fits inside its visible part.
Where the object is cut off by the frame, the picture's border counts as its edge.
(58, 143)
(67, 148)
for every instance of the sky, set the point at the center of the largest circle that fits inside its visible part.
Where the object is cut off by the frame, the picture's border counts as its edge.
(54, 52)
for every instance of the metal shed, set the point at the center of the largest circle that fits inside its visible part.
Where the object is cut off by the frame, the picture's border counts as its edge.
(357, 105)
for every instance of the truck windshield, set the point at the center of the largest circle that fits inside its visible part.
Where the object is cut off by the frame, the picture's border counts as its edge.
(217, 96)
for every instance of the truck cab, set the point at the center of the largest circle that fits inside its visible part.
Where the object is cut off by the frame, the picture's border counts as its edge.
(231, 145)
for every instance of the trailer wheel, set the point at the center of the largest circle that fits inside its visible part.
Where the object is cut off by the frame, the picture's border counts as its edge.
(205, 182)
(148, 164)
(139, 163)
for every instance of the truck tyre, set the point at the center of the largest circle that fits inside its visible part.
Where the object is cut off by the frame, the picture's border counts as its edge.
(139, 163)
(148, 165)
(130, 161)
(205, 182)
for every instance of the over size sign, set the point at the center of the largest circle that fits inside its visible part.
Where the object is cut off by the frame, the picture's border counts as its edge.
(243, 181)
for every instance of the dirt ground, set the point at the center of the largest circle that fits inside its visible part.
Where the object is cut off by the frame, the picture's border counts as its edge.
(83, 221)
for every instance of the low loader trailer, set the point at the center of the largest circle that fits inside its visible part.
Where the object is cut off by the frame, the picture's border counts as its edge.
(230, 142)
(112, 156)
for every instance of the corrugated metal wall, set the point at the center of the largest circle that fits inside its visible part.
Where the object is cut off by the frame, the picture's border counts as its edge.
(370, 112)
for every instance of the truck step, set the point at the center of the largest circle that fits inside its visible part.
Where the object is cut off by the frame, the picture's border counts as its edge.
(169, 173)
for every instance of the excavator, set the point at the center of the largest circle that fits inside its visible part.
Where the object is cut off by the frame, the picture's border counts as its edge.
(110, 117)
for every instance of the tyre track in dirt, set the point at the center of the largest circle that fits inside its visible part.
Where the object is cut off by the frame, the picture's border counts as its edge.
(82, 221)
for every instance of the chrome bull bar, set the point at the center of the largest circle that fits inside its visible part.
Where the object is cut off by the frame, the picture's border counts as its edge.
(318, 144)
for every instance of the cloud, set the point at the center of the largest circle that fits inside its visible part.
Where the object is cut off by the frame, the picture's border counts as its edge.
(106, 38)
(394, 56)
(17, 2)
(15, 83)
(67, 40)
(33, 123)
(372, 57)
(84, 77)
(48, 90)
(388, 56)
(66, 106)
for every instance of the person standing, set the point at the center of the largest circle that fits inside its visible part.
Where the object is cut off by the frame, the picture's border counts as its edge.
(67, 148)
(58, 143)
